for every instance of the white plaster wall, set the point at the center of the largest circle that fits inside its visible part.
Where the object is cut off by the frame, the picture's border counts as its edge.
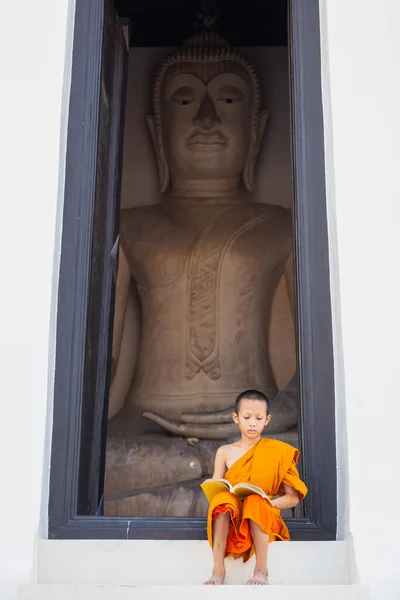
(361, 88)
(33, 104)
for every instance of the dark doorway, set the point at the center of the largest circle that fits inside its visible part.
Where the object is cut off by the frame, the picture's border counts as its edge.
(169, 22)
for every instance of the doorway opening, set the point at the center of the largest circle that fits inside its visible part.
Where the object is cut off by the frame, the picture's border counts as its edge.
(212, 302)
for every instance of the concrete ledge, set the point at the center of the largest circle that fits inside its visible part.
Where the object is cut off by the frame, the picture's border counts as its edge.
(111, 592)
(149, 562)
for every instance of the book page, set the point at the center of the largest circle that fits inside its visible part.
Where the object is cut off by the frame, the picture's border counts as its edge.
(212, 487)
(242, 490)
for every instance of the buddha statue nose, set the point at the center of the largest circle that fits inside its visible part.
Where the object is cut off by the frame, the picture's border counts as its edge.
(206, 116)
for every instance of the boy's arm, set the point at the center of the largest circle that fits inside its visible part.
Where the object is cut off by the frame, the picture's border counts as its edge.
(220, 463)
(290, 499)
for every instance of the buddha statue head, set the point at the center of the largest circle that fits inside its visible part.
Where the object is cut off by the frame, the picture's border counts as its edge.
(207, 124)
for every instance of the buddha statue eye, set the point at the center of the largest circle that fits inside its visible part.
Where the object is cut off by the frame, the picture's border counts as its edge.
(230, 94)
(229, 99)
(183, 96)
(182, 101)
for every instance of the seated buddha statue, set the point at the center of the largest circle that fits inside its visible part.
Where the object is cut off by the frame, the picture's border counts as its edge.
(198, 271)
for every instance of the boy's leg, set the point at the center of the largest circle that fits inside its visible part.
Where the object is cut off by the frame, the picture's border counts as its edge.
(220, 535)
(260, 542)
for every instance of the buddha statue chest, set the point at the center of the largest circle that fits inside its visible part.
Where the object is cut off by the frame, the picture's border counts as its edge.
(201, 243)
(205, 276)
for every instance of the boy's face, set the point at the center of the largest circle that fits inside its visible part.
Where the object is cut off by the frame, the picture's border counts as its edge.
(252, 417)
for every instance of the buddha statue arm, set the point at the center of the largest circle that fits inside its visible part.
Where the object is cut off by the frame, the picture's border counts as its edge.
(286, 400)
(289, 280)
(125, 337)
(121, 303)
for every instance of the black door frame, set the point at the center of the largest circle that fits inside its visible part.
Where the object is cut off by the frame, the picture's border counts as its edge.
(315, 353)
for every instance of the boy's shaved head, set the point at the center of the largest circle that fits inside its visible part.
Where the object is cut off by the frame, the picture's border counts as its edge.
(251, 395)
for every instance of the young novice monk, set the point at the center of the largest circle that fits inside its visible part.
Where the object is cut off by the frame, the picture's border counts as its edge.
(237, 528)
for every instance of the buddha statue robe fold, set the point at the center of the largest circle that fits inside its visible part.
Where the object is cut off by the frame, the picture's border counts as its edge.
(268, 464)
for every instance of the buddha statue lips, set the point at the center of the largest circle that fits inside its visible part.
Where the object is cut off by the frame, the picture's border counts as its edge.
(207, 140)
(206, 264)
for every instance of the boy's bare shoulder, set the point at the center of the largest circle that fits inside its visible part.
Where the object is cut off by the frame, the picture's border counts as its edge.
(228, 449)
(225, 450)
(222, 449)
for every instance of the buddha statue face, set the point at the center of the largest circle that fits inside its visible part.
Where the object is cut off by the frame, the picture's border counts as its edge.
(206, 113)
(207, 125)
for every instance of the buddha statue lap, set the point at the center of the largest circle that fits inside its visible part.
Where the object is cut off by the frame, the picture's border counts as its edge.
(197, 277)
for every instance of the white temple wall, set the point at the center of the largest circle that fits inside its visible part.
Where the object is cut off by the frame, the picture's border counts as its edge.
(34, 67)
(361, 89)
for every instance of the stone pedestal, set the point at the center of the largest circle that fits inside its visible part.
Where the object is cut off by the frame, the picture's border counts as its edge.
(155, 475)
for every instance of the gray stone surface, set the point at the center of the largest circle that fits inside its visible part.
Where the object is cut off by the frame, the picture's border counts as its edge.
(172, 501)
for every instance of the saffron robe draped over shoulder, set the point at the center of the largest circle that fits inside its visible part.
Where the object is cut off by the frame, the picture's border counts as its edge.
(268, 464)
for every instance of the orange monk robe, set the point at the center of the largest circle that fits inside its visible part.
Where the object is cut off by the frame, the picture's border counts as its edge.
(268, 464)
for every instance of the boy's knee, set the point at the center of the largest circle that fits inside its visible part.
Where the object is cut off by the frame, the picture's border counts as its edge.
(223, 516)
(253, 524)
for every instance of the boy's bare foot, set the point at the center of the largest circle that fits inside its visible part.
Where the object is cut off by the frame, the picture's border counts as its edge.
(217, 578)
(258, 579)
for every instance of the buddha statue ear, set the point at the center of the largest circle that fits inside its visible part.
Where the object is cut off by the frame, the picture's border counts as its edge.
(163, 170)
(255, 143)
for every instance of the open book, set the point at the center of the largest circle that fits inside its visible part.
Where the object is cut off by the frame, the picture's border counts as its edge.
(211, 487)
